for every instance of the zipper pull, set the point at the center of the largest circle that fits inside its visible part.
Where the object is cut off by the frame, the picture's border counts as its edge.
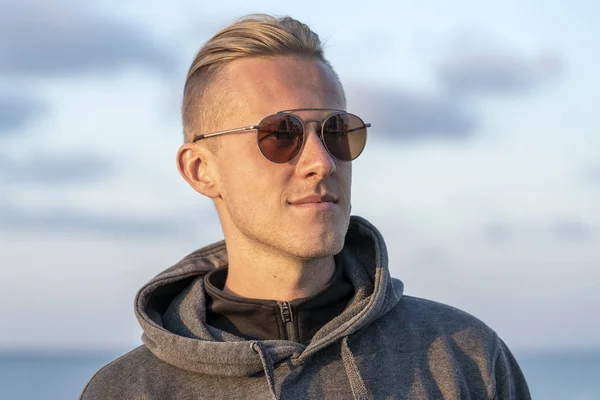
(286, 311)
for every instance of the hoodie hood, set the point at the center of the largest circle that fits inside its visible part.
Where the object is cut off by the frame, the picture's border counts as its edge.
(171, 310)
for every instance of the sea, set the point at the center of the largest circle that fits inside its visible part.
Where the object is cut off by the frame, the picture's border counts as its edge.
(53, 376)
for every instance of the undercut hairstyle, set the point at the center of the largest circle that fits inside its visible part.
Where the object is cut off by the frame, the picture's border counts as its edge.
(258, 35)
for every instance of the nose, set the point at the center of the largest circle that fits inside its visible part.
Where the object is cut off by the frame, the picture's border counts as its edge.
(314, 159)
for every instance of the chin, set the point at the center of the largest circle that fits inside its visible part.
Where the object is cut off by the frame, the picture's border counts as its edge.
(313, 254)
(311, 239)
(321, 246)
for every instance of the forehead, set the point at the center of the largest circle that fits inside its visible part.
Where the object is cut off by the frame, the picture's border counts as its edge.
(265, 86)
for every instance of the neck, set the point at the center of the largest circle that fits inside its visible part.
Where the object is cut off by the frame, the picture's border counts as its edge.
(263, 274)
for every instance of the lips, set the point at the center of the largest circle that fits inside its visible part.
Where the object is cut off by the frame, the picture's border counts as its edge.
(315, 198)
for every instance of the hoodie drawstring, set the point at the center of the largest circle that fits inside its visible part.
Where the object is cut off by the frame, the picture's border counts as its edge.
(357, 385)
(267, 364)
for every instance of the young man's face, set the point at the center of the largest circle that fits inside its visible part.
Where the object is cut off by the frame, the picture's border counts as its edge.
(256, 196)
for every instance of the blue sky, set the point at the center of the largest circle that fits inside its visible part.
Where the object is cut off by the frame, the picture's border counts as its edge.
(482, 168)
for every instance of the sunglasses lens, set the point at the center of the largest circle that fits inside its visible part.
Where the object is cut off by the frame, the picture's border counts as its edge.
(280, 137)
(345, 136)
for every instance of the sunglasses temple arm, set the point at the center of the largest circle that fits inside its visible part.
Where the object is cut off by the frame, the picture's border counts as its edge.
(207, 135)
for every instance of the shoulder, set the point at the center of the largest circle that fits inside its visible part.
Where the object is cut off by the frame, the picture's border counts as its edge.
(125, 377)
(448, 333)
(427, 323)
(420, 312)
(446, 339)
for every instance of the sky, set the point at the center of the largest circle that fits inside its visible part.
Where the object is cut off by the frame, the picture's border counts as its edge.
(482, 166)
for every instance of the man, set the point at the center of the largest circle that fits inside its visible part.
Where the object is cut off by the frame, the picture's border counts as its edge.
(297, 302)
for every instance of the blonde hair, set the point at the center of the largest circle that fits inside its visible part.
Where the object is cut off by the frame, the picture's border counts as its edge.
(251, 36)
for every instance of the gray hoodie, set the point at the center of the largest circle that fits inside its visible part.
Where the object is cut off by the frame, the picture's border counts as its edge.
(383, 345)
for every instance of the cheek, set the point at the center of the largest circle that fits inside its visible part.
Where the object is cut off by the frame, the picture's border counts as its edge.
(237, 167)
(239, 185)
(344, 171)
(348, 172)
(250, 188)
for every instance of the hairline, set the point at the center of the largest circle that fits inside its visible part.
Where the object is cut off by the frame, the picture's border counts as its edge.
(210, 94)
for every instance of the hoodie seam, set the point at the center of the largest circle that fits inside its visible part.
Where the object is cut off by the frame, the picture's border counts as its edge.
(497, 351)
(248, 363)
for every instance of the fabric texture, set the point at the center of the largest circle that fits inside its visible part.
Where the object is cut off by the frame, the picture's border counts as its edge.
(383, 345)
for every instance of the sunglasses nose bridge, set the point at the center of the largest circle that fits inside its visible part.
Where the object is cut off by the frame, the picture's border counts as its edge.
(318, 140)
(313, 126)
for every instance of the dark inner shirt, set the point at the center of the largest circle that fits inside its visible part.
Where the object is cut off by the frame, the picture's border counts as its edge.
(297, 320)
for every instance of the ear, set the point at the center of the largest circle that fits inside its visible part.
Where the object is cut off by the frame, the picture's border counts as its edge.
(197, 165)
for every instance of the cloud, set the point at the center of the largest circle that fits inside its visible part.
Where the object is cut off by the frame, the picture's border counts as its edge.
(56, 169)
(497, 232)
(433, 257)
(60, 38)
(572, 230)
(567, 229)
(17, 111)
(403, 115)
(491, 71)
(592, 174)
(81, 222)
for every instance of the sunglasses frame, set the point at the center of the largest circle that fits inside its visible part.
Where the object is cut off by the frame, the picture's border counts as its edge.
(302, 122)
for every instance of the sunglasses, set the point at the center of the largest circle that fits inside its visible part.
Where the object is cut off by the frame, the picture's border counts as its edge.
(280, 136)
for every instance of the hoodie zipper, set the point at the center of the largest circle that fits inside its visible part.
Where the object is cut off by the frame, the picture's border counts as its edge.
(287, 316)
